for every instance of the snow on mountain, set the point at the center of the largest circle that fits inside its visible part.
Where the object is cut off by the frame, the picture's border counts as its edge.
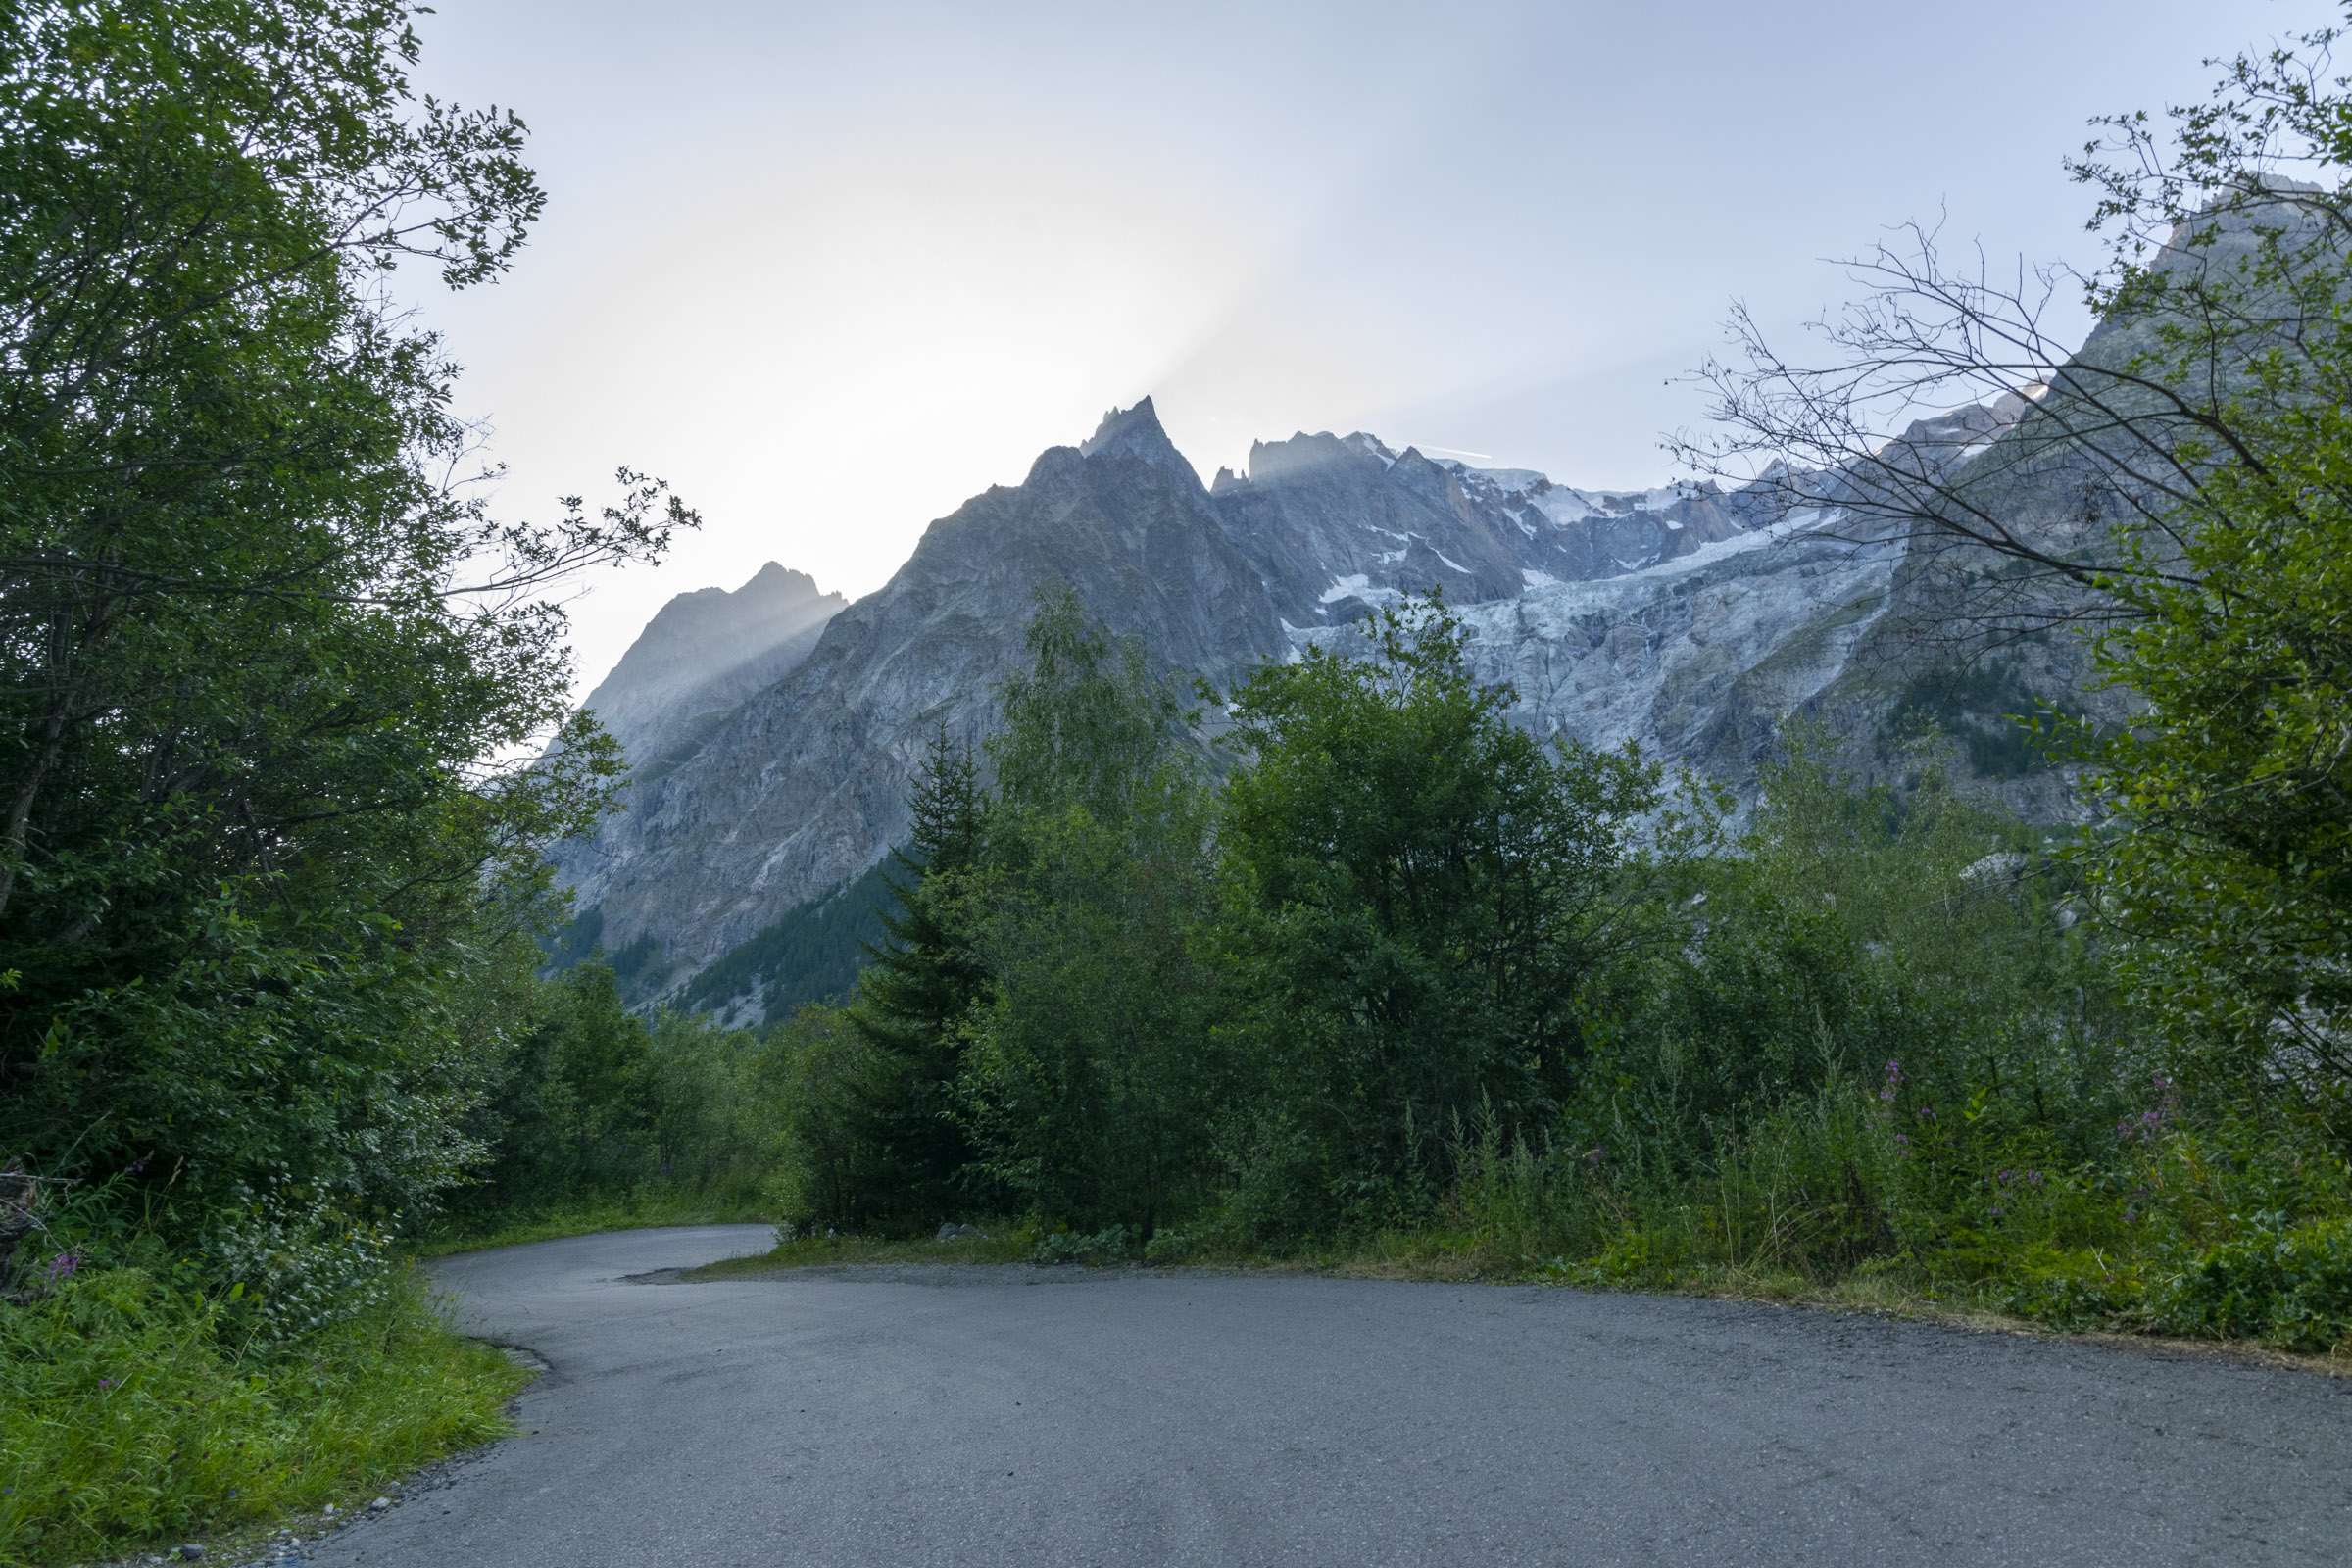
(1691, 618)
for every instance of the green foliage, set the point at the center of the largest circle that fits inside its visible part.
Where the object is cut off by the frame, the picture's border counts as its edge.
(1091, 1073)
(132, 1416)
(2229, 1229)
(1856, 928)
(579, 941)
(2234, 865)
(923, 980)
(1417, 892)
(599, 1105)
(262, 874)
(2290, 1284)
(817, 1069)
(2231, 866)
(1110, 1244)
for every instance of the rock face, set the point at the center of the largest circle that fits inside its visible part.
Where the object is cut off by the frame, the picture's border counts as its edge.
(1690, 619)
(700, 656)
(1334, 525)
(800, 787)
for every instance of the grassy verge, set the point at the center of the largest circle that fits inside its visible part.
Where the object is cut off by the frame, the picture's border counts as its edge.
(586, 1219)
(1442, 1256)
(1884, 1291)
(130, 1420)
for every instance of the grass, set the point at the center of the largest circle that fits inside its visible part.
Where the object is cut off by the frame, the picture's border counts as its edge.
(1447, 1257)
(130, 1419)
(133, 1417)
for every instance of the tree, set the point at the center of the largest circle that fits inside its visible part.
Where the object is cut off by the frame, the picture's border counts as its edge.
(1093, 1076)
(913, 997)
(1419, 888)
(263, 660)
(2180, 490)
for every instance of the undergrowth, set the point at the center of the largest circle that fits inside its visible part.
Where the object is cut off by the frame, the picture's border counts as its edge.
(130, 1416)
(2230, 1232)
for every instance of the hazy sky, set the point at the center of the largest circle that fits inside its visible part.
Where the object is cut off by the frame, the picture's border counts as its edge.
(831, 269)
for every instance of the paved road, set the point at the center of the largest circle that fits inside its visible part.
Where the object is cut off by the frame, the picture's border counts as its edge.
(917, 1417)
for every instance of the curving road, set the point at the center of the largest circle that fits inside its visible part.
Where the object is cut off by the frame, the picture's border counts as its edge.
(933, 1416)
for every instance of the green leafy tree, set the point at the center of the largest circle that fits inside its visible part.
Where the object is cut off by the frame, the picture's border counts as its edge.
(1094, 1078)
(2233, 873)
(1419, 888)
(2174, 489)
(2234, 870)
(575, 1099)
(263, 858)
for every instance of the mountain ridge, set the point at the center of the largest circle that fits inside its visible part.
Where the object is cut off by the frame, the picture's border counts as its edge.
(703, 654)
(1689, 617)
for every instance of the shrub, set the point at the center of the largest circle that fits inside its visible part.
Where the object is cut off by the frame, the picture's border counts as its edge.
(132, 1414)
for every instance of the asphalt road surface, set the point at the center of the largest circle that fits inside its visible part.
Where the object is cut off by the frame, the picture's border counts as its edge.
(935, 1416)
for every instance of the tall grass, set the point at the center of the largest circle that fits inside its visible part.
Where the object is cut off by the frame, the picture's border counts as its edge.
(132, 1417)
(2237, 1231)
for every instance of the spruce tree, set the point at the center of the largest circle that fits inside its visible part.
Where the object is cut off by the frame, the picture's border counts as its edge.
(912, 999)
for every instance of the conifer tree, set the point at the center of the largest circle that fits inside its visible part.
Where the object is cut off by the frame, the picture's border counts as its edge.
(912, 999)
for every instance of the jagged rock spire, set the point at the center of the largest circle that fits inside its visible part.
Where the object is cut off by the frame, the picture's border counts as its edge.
(1136, 432)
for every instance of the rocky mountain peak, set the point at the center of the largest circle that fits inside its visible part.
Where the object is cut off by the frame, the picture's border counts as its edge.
(704, 652)
(778, 584)
(1136, 432)
(1304, 454)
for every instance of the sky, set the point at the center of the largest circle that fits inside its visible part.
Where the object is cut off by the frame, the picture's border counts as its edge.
(832, 268)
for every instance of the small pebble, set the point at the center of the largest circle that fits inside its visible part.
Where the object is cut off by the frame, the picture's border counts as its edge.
(379, 1505)
(189, 1552)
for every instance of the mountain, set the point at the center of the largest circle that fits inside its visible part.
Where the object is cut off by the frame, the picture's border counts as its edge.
(800, 789)
(700, 656)
(1689, 617)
